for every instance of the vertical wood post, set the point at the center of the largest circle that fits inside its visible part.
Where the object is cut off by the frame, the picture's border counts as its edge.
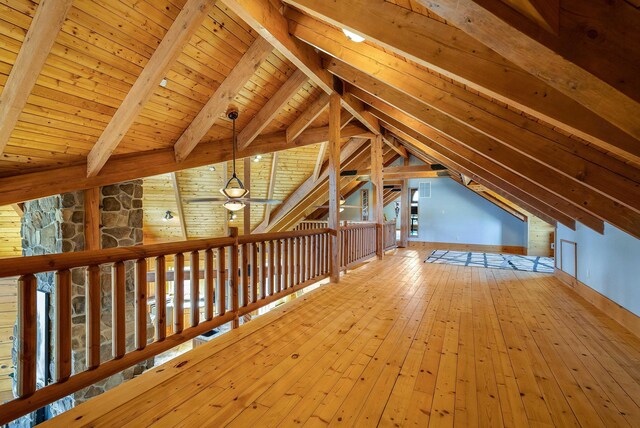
(334, 191)
(178, 293)
(118, 301)
(92, 219)
(263, 269)
(94, 314)
(63, 325)
(27, 335)
(405, 205)
(244, 301)
(233, 276)
(376, 180)
(221, 288)
(272, 272)
(194, 283)
(208, 284)
(140, 313)
(161, 299)
(246, 212)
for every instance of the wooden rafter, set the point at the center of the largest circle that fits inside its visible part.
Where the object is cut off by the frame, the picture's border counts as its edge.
(307, 117)
(541, 61)
(266, 20)
(466, 161)
(34, 185)
(92, 239)
(270, 110)
(221, 98)
(460, 103)
(273, 174)
(44, 28)
(188, 21)
(571, 188)
(178, 196)
(506, 208)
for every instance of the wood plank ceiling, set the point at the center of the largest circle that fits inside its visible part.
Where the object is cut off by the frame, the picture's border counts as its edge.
(100, 91)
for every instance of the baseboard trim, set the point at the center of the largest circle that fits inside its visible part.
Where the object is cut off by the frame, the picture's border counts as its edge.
(613, 310)
(506, 249)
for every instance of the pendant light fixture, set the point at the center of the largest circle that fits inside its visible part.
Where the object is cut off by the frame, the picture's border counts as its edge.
(234, 189)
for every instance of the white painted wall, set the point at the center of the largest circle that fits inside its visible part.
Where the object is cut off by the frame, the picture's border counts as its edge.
(608, 263)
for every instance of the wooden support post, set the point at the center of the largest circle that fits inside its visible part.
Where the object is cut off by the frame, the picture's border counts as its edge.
(141, 304)
(92, 219)
(263, 269)
(94, 314)
(254, 272)
(246, 212)
(272, 273)
(233, 276)
(178, 294)
(376, 180)
(244, 297)
(194, 282)
(118, 310)
(334, 191)
(63, 325)
(404, 211)
(161, 299)
(27, 335)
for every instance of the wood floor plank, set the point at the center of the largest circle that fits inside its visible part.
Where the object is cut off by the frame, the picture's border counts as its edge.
(398, 342)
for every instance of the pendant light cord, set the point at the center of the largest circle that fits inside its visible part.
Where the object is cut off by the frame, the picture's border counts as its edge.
(234, 147)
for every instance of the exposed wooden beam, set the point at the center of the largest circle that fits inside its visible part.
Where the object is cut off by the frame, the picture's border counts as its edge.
(334, 191)
(188, 21)
(272, 186)
(395, 145)
(18, 209)
(246, 212)
(319, 161)
(42, 33)
(219, 101)
(266, 20)
(506, 208)
(541, 61)
(573, 189)
(92, 240)
(178, 196)
(404, 211)
(307, 117)
(120, 168)
(271, 109)
(378, 190)
(464, 105)
(298, 195)
(545, 13)
(470, 163)
(356, 108)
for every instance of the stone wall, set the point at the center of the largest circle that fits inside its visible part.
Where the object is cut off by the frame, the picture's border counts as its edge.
(55, 225)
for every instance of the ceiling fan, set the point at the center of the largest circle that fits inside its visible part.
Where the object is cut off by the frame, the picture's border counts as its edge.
(235, 194)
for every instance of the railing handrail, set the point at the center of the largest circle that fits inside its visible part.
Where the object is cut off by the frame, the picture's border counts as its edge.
(17, 266)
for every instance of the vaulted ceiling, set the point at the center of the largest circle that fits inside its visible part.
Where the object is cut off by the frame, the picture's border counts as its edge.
(537, 101)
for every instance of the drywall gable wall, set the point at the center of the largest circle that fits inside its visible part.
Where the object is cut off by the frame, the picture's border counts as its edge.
(608, 263)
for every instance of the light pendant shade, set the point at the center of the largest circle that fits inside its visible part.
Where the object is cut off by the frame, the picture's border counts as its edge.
(233, 205)
(234, 192)
(352, 36)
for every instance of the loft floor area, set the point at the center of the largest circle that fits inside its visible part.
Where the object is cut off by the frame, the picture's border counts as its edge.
(399, 342)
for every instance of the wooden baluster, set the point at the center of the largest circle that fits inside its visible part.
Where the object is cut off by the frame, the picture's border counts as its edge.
(271, 268)
(285, 264)
(118, 290)
(208, 284)
(140, 313)
(303, 259)
(312, 253)
(94, 314)
(254, 272)
(27, 335)
(298, 260)
(278, 266)
(263, 269)
(178, 294)
(194, 287)
(161, 299)
(234, 275)
(221, 299)
(244, 301)
(62, 326)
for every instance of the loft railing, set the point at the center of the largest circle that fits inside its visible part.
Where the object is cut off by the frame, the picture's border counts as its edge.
(358, 243)
(389, 235)
(241, 274)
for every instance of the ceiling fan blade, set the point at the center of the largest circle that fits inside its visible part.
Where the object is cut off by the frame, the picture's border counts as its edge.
(196, 200)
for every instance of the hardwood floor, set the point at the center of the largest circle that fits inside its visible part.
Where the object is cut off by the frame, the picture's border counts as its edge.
(399, 343)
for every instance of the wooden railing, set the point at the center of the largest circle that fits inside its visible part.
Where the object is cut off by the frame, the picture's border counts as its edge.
(389, 235)
(358, 243)
(241, 274)
(311, 224)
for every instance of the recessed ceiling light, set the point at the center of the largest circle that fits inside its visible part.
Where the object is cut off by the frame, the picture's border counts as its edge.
(353, 36)
(167, 216)
(163, 82)
(212, 168)
(257, 158)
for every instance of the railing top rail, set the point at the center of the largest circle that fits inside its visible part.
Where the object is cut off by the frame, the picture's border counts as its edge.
(246, 239)
(358, 226)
